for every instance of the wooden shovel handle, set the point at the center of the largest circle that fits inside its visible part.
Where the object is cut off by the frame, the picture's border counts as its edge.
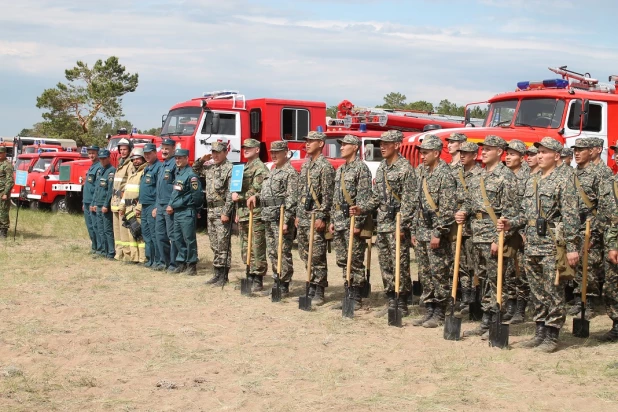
(310, 252)
(585, 261)
(369, 244)
(250, 239)
(348, 268)
(500, 265)
(456, 263)
(280, 246)
(397, 251)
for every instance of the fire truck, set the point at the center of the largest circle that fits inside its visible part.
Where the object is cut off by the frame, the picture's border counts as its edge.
(24, 162)
(18, 145)
(574, 105)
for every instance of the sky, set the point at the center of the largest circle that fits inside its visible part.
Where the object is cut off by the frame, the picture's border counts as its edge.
(328, 51)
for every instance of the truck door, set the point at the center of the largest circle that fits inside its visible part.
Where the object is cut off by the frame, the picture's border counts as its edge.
(229, 129)
(596, 126)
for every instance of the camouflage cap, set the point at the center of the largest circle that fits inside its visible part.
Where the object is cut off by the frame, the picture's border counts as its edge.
(582, 142)
(469, 147)
(219, 146)
(517, 145)
(137, 152)
(566, 152)
(549, 143)
(250, 143)
(392, 136)
(431, 142)
(150, 147)
(493, 140)
(103, 153)
(181, 152)
(532, 149)
(349, 139)
(313, 135)
(457, 137)
(279, 146)
(168, 142)
(596, 141)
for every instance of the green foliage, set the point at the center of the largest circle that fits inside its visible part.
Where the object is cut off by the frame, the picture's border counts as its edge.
(91, 96)
(155, 131)
(397, 101)
(331, 111)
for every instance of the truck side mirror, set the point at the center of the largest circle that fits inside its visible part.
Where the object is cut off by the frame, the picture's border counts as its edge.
(584, 113)
(468, 117)
(216, 123)
(369, 151)
(163, 119)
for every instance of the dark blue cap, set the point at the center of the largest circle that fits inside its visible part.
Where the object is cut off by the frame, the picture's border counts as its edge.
(93, 148)
(103, 153)
(168, 142)
(150, 147)
(181, 152)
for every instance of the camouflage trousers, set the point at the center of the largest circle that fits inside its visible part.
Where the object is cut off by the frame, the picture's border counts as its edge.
(486, 268)
(516, 283)
(5, 206)
(258, 264)
(434, 271)
(596, 272)
(547, 298)
(385, 241)
(319, 269)
(272, 244)
(465, 263)
(340, 241)
(610, 290)
(219, 234)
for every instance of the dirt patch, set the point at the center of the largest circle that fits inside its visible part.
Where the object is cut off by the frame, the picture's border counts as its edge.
(83, 334)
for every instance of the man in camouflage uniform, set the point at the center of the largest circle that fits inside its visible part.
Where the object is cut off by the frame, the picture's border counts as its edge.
(517, 288)
(588, 185)
(315, 191)
(217, 173)
(603, 169)
(548, 214)
(280, 189)
(566, 156)
(248, 198)
(435, 208)
(352, 186)
(394, 191)
(454, 142)
(6, 184)
(491, 195)
(470, 170)
(532, 160)
(122, 236)
(608, 214)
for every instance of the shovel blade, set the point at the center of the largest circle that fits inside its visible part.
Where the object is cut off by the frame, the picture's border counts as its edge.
(304, 303)
(394, 317)
(499, 333)
(366, 291)
(417, 288)
(347, 307)
(581, 328)
(452, 328)
(275, 294)
(245, 286)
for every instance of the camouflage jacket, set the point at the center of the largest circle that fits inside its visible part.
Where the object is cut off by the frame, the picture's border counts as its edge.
(604, 171)
(442, 188)
(557, 199)
(252, 178)
(463, 179)
(280, 187)
(522, 176)
(357, 179)
(217, 184)
(501, 189)
(590, 182)
(401, 178)
(322, 176)
(608, 212)
(567, 169)
(6, 178)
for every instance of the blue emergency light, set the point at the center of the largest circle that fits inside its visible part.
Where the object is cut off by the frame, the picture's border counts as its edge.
(545, 84)
(363, 127)
(319, 129)
(134, 130)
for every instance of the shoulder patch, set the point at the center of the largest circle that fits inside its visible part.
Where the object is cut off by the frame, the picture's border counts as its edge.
(194, 179)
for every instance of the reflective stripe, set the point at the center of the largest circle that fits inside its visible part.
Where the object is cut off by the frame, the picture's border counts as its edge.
(132, 187)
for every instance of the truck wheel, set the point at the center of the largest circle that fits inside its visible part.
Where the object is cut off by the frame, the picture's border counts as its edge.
(59, 205)
(34, 205)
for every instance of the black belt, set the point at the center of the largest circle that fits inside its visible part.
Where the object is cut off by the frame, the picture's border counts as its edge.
(532, 223)
(131, 202)
(272, 202)
(218, 203)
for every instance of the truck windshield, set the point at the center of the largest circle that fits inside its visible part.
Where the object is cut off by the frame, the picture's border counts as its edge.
(500, 113)
(181, 122)
(543, 113)
(22, 164)
(41, 165)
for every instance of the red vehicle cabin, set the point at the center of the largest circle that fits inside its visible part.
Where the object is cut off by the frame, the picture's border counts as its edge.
(45, 173)
(24, 163)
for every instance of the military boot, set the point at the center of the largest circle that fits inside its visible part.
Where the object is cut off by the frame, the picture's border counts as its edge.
(3, 233)
(311, 290)
(222, 278)
(403, 304)
(492, 321)
(612, 335)
(550, 343)
(258, 283)
(577, 306)
(215, 278)
(358, 300)
(482, 328)
(511, 304)
(466, 300)
(318, 299)
(437, 317)
(537, 339)
(429, 308)
(589, 308)
(180, 268)
(285, 289)
(390, 296)
(520, 312)
(191, 269)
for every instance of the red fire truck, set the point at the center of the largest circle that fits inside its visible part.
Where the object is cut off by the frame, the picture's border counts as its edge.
(24, 163)
(575, 105)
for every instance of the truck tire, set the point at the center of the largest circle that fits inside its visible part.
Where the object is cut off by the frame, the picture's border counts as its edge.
(34, 205)
(59, 205)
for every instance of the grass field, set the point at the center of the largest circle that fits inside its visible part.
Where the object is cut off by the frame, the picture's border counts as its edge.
(83, 334)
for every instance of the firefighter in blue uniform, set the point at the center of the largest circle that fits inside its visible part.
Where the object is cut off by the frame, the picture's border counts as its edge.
(186, 199)
(102, 206)
(148, 200)
(90, 217)
(164, 225)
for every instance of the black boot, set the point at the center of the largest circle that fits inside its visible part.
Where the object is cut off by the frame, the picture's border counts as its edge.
(482, 328)
(258, 283)
(180, 268)
(3, 233)
(222, 278)
(511, 304)
(550, 343)
(437, 317)
(403, 304)
(577, 306)
(429, 308)
(318, 299)
(612, 335)
(537, 339)
(465, 296)
(311, 290)
(356, 294)
(390, 304)
(191, 269)
(215, 278)
(520, 312)
(285, 289)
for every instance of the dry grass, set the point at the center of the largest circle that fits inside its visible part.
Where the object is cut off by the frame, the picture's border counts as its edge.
(84, 334)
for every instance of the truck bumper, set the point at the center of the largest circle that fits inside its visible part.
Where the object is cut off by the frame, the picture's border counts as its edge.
(66, 187)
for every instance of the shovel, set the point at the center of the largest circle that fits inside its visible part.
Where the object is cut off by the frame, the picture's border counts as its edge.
(366, 291)
(276, 290)
(581, 326)
(304, 302)
(246, 284)
(347, 307)
(499, 332)
(452, 325)
(394, 315)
